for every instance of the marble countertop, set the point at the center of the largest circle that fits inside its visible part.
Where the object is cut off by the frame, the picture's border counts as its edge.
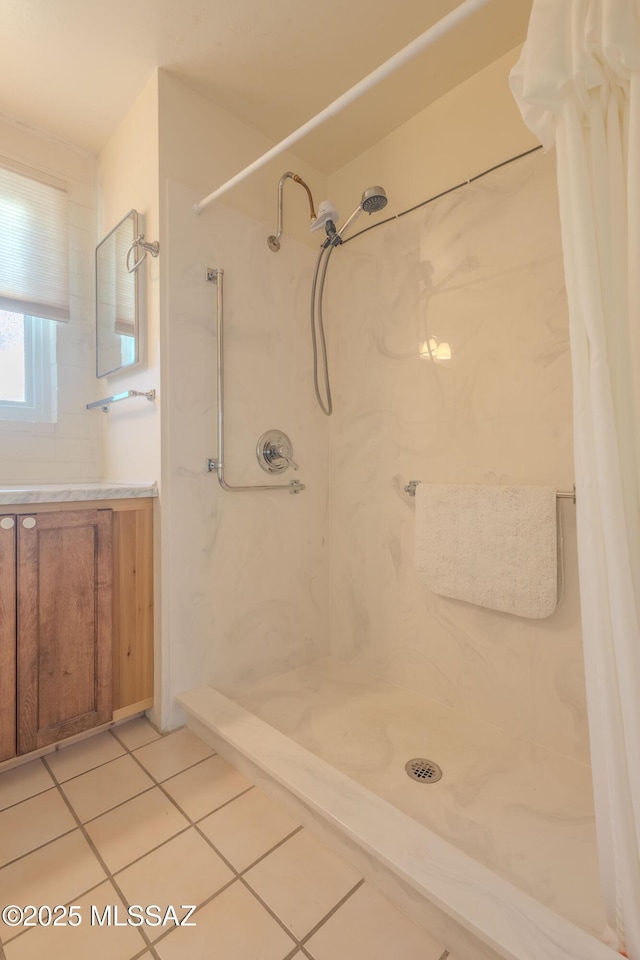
(80, 490)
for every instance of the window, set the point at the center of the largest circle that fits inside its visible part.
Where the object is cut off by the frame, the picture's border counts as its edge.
(27, 368)
(34, 289)
(127, 350)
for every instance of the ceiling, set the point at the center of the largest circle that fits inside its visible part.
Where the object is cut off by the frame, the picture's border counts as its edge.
(73, 67)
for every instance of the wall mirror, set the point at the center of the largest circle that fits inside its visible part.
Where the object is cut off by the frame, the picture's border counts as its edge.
(117, 299)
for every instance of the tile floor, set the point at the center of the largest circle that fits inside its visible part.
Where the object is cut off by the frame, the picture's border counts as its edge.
(132, 818)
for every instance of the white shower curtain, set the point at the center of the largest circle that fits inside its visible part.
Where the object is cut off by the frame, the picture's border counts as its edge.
(578, 85)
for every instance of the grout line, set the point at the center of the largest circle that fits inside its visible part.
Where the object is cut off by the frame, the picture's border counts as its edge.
(331, 913)
(32, 795)
(222, 805)
(76, 776)
(294, 953)
(205, 903)
(46, 844)
(102, 862)
(171, 776)
(109, 876)
(83, 773)
(263, 856)
(143, 953)
(84, 893)
(152, 850)
(160, 785)
(237, 875)
(116, 805)
(10, 806)
(161, 736)
(140, 745)
(270, 911)
(154, 779)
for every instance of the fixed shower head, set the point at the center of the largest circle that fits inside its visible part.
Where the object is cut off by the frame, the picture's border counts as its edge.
(373, 199)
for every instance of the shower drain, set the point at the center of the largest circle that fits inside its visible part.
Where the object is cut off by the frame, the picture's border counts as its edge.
(424, 771)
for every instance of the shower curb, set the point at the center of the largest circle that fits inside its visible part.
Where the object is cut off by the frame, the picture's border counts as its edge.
(469, 908)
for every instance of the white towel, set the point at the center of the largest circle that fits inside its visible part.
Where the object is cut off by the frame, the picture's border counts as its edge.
(492, 546)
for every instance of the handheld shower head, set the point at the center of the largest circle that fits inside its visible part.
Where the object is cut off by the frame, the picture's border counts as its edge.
(373, 199)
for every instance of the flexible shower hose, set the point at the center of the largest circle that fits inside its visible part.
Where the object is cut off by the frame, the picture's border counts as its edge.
(321, 269)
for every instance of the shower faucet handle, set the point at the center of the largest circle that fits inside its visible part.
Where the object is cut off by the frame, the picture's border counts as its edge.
(291, 463)
(274, 452)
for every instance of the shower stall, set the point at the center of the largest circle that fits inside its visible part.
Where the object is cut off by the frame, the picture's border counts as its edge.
(317, 664)
(440, 746)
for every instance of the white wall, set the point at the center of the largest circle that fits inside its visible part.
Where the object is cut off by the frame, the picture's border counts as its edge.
(70, 448)
(203, 146)
(128, 178)
(482, 270)
(467, 131)
(244, 574)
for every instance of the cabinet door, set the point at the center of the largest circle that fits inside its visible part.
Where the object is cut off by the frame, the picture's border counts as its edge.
(7, 637)
(64, 625)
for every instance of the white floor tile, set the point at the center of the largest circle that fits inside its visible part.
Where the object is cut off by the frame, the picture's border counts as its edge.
(56, 873)
(302, 880)
(170, 755)
(248, 828)
(136, 733)
(135, 828)
(206, 786)
(234, 926)
(183, 871)
(101, 789)
(83, 941)
(23, 782)
(70, 761)
(368, 927)
(31, 823)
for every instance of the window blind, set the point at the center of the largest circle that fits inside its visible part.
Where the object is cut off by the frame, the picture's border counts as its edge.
(34, 247)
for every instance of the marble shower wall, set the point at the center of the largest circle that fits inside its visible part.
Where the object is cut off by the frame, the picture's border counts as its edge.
(481, 270)
(247, 573)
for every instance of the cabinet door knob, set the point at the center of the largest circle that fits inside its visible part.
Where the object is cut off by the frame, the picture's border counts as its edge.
(7, 523)
(29, 522)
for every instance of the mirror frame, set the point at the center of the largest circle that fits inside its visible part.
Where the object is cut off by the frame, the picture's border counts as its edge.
(136, 296)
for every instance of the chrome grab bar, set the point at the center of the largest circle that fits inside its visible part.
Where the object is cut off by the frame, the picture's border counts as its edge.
(216, 465)
(149, 394)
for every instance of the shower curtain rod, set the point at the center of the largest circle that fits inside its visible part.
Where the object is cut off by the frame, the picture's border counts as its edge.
(434, 33)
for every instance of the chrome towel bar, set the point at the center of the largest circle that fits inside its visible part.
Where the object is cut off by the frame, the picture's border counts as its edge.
(410, 488)
(104, 404)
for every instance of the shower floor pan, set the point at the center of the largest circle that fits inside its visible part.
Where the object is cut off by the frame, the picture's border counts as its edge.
(497, 858)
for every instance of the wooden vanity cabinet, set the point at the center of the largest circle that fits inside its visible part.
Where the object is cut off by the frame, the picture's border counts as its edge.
(76, 619)
(8, 646)
(64, 565)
